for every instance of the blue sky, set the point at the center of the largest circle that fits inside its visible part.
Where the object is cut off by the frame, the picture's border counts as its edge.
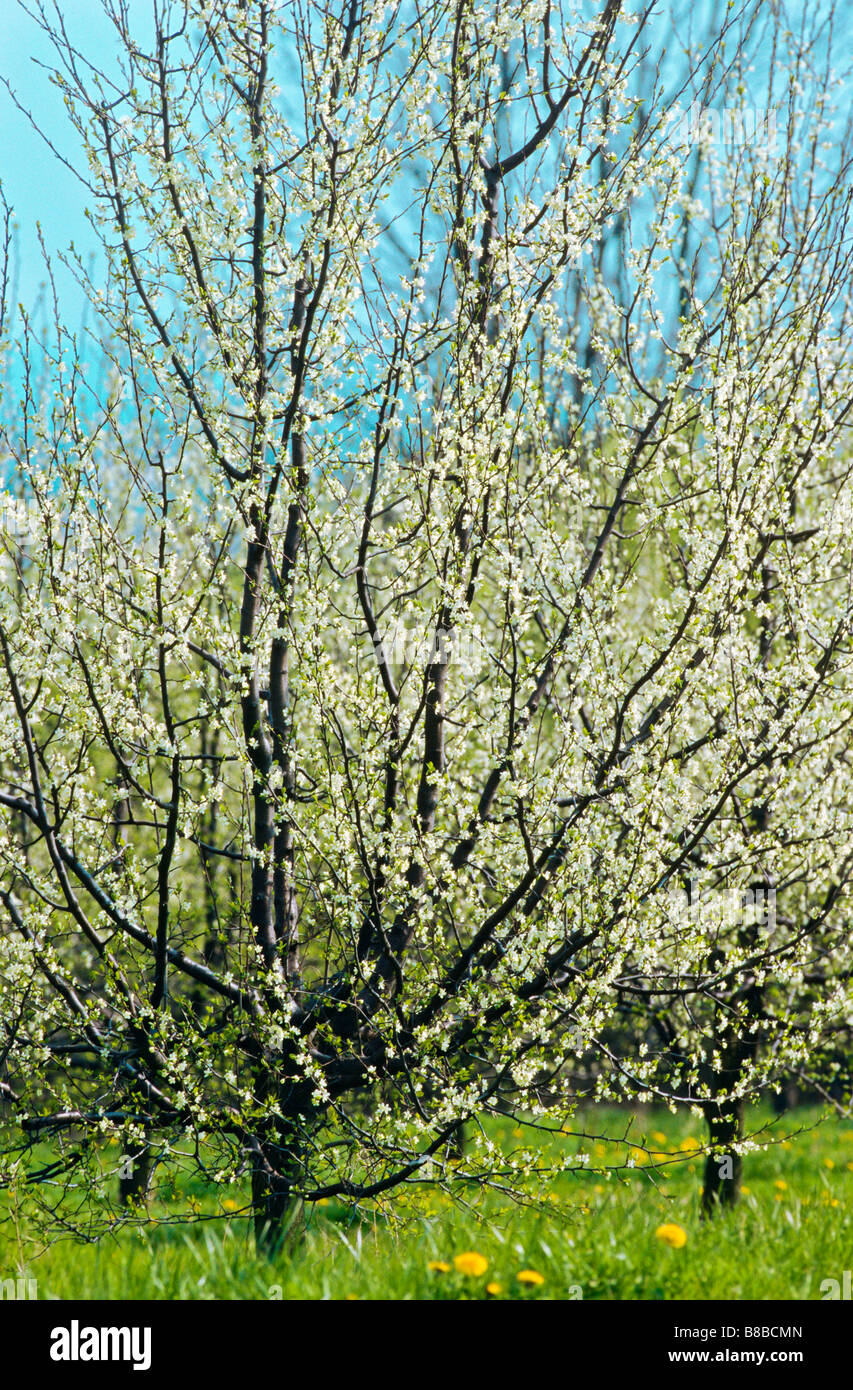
(27, 168)
(40, 189)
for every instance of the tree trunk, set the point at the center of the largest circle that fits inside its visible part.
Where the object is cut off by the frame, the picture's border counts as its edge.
(786, 1098)
(278, 1215)
(723, 1166)
(278, 1155)
(135, 1177)
(736, 1049)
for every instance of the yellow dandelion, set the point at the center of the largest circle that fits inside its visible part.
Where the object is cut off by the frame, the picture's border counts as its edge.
(689, 1144)
(829, 1163)
(672, 1234)
(780, 1185)
(470, 1264)
(658, 1136)
(229, 1204)
(494, 1288)
(531, 1277)
(787, 1145)
(744, 1188)
(352, 1298)
(439, 1266)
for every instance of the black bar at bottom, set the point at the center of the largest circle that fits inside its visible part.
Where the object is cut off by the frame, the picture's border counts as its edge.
(62, 1342)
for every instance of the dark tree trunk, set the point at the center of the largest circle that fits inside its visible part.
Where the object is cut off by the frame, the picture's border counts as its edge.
(278, 1157)
(135, 1180)
(278, 1214)
(735, 1047)
(786, 1098)
(723, 1166)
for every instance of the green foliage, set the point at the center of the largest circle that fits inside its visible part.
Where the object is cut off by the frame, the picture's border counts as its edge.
(792, 1230)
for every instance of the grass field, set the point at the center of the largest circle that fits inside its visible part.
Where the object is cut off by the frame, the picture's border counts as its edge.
(594, 1239)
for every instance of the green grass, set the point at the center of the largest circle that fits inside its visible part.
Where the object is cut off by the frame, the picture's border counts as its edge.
(595, 1237)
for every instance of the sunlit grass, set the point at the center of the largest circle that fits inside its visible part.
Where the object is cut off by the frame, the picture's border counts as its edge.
(593, 1238)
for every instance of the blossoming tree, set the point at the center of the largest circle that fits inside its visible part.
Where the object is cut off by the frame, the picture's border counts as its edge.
(413, 600)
